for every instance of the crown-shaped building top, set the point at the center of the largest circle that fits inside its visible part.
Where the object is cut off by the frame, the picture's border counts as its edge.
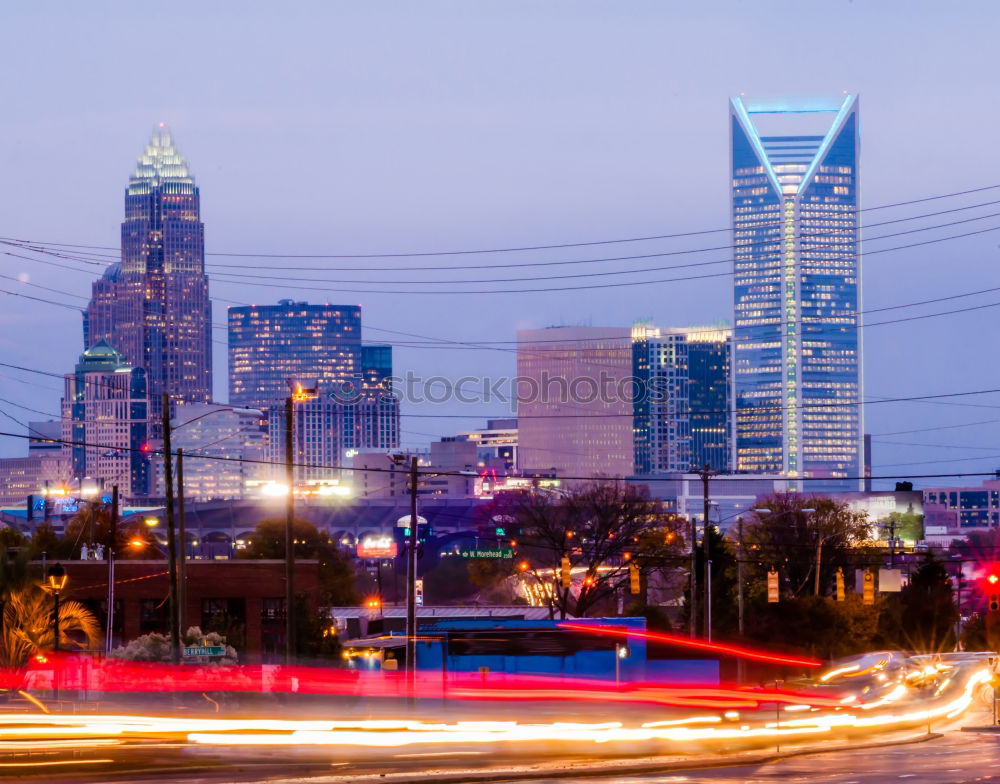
(160, 162)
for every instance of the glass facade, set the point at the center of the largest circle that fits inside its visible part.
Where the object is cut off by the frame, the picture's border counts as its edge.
(355, 408)
(681, 410)
(269, 344)
(153, 306)
(797, 346)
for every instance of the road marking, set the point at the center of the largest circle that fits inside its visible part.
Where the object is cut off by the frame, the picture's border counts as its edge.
(907, 775)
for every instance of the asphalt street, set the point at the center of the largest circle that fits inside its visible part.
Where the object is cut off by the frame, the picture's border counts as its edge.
(956, 758)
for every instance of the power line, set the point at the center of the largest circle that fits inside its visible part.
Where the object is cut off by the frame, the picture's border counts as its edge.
(519, 249)
(596, 477)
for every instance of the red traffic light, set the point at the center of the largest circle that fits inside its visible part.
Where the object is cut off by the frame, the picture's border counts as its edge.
(992, 578)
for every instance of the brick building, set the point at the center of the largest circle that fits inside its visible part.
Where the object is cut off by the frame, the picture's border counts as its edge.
(242, 599)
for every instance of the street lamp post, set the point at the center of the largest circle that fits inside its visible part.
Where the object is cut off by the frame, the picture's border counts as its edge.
(57, 582)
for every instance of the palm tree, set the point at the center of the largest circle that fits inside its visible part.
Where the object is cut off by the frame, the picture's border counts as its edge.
(28, 629)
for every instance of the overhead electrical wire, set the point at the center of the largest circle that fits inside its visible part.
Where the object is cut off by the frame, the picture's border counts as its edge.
(438, 472)
(524, 248)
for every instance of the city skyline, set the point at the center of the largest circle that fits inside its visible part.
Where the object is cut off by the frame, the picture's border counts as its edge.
(584, 150)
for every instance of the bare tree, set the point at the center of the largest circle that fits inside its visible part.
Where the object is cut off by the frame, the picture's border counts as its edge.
(798, 532)
(601, 528)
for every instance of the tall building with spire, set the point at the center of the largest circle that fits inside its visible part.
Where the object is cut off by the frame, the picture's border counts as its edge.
(797, 284)
(153, 305)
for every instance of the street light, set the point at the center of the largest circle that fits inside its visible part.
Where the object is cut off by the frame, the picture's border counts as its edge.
(57, 578)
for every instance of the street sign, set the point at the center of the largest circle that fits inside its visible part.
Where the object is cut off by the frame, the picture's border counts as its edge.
(477, 553)
(772, 586)
(204, 650)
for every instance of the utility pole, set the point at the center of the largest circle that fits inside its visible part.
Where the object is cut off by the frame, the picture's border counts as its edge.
(411, 581)
(182, 536)
(168, 479)
(289, 533)
(110, 544)
(693, 587)
(739, 595)
(706, 472)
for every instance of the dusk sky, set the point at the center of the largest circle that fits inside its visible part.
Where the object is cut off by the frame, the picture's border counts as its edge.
(368, 127)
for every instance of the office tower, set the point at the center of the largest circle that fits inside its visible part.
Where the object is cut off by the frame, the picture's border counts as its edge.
(223, 450)
(574, 405)
(681, 411)
(105, 412)
(153, 305)
(268, 344)
(326, 432)
(797, 347)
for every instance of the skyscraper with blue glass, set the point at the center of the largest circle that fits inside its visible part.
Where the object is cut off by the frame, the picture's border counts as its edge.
(797, 267)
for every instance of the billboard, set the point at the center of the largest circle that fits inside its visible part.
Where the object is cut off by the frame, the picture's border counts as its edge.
(377, 546)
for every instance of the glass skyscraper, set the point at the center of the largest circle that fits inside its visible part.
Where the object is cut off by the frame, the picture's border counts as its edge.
(153, 306)
(269, 344)
(797, 346)
(681, 411)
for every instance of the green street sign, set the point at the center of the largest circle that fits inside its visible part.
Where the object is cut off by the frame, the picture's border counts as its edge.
(507, 553)
(204, 650)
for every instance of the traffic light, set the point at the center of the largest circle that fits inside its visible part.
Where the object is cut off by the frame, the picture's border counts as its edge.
(994, 603)
(564, 573)
(840, 595)
(772, 586)
(868, 583)
(634, 582)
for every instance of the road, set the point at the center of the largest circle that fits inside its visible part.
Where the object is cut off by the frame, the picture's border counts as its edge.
(955, 758)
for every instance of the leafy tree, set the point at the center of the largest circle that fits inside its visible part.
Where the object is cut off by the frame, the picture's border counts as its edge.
(45, 540)
(268, 539)
(922, 617)
(448, 582)
(601, 527)
(28, 628)
(336, 572)
(789, 540)
(817, 625)
(725, 617)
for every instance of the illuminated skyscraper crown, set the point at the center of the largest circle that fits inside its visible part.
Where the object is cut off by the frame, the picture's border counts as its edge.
(160, 162)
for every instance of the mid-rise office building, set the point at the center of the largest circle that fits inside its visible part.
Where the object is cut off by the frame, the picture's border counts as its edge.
(574, 401)
(682, 409)
(797, 344)
(223, 450)
(326, 432)
(153, 305)
(105, 412)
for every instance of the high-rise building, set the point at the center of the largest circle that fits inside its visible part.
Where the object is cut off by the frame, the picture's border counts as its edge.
(153, 305)
(326, 432)
(574, 405)
(105, 412)
(269, 344)
(682, 409)
(797, 346)
(223, 450)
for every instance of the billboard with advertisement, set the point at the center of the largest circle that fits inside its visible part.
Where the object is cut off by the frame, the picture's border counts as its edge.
(377, 546)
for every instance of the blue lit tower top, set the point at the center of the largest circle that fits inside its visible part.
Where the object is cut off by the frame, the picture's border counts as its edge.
(797, 347)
